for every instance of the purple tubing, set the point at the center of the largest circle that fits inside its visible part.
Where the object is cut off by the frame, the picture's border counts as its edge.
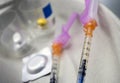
(90, 11)
(64, 36)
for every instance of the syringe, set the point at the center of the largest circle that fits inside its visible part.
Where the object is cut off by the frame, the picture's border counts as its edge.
(89, 23)
(58, 46)
(86, 51)
(57, 50)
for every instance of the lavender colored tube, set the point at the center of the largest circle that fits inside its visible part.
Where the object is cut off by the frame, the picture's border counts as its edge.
(64, 36)
(70, 22)
(90, 11)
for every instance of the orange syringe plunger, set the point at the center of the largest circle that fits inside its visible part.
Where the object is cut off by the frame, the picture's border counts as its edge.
(57, 49)
(89, 27)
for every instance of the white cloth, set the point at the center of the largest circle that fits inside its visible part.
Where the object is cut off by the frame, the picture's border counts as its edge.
(104, 61)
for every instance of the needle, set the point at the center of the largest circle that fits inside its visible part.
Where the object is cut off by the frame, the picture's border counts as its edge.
(88, 20)
(58, 46)
(85, 53)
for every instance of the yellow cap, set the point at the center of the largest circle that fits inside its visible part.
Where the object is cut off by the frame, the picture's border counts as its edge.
(42, 22)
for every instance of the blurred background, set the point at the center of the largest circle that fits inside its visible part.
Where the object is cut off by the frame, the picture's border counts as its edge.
(113, 5)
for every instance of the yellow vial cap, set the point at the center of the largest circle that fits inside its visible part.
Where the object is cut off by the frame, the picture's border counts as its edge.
(42, 21)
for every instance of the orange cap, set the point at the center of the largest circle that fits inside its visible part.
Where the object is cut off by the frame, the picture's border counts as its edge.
(89, 27)
(57, 49)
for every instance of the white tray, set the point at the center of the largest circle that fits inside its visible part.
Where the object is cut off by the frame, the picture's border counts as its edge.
(104, 61)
